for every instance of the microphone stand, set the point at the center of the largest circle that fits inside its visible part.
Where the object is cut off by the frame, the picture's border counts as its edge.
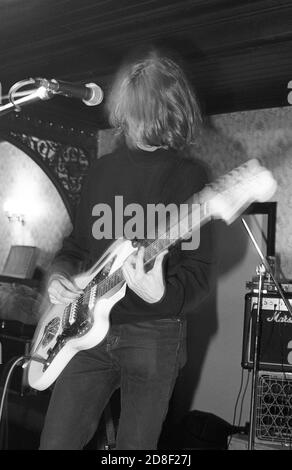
(40, 93)
(261, 271)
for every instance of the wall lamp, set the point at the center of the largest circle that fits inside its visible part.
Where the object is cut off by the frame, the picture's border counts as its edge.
(13, 211)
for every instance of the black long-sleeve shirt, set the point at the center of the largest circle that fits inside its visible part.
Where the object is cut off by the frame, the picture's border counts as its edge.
(142, 177)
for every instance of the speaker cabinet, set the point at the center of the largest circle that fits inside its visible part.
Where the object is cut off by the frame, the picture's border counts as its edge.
(275, 333)
(274, 408)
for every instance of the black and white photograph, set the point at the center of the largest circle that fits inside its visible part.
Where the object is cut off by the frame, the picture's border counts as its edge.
(146, 228)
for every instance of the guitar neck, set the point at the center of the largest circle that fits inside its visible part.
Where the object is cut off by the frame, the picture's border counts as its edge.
(225, 200)
(178, 231)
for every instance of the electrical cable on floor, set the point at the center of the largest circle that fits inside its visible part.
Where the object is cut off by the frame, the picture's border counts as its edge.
(14, 362)
(243, 397)
(241, 406)
(235, 408)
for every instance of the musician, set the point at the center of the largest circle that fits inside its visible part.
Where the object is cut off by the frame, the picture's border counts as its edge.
(155, 111)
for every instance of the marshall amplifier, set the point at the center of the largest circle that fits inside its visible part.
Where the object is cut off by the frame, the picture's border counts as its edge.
(275, 333)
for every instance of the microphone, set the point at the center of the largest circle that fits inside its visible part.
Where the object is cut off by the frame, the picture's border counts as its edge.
(90, 93)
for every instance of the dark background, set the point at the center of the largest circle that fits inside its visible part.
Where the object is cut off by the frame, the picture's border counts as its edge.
(238, 53)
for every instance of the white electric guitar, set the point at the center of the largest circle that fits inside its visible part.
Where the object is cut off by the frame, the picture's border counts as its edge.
(65, 330)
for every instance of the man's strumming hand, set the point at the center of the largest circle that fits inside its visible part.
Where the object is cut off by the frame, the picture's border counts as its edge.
(147, 285)
(62, 290)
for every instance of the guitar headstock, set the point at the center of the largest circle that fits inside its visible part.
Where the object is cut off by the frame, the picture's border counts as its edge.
(231, 194)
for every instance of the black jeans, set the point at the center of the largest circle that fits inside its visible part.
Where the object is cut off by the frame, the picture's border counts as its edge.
(143, 359)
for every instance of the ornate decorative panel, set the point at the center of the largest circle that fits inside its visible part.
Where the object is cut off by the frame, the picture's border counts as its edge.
(68, 164)
(62, 148)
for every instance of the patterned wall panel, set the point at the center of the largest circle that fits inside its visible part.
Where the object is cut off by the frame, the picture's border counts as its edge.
(66, 164)
(267, 135)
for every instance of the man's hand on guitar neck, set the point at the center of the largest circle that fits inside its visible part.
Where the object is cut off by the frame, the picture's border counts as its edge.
(62, 290)
(147, 285)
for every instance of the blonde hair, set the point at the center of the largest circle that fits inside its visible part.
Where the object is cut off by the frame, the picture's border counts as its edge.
(152, 103)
